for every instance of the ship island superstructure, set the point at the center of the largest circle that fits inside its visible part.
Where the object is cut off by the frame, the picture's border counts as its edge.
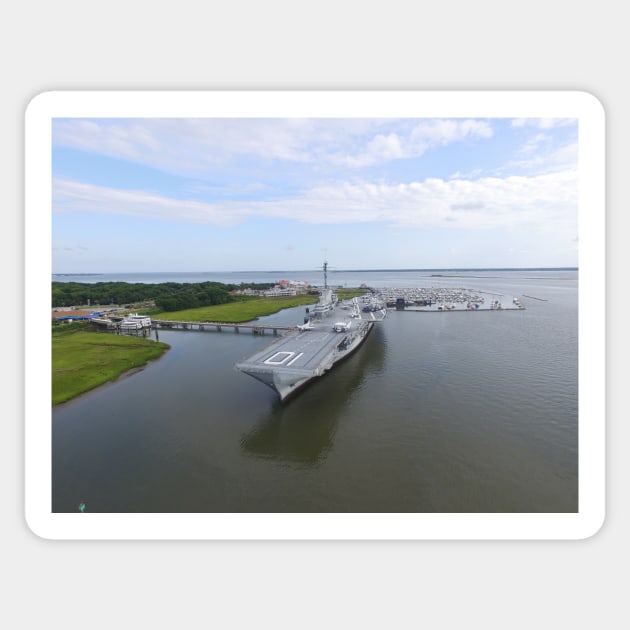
(331, 331)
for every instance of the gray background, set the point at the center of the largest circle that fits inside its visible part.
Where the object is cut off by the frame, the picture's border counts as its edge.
(324, 45)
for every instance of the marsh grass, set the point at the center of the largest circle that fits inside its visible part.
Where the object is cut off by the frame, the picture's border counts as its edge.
(84, 360)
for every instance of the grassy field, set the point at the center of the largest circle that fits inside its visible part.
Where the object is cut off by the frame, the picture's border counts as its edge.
(247, 309)
(84, 360)
(244, 310)
(346, 294)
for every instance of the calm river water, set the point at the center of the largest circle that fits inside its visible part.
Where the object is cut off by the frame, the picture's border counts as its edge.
(436, 412)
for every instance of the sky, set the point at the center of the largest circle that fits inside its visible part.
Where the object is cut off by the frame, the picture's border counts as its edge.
(240, 194)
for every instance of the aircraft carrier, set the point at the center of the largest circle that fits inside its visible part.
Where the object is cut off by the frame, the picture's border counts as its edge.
(331, 331)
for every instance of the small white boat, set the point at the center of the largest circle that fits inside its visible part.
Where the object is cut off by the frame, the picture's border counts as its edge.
(143, 320)
(128, 324)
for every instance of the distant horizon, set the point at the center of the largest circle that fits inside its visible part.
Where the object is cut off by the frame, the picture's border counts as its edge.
(333, 270)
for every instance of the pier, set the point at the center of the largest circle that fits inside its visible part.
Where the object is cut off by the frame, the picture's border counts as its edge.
(256, 329)
(113, 325)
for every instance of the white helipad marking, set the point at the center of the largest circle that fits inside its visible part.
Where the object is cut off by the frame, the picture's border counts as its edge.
(294, 359)
(275, 360)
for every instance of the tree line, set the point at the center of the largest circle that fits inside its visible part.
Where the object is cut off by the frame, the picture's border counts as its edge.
(167, 296)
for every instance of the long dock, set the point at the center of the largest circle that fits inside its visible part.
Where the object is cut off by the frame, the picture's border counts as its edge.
(256, 329)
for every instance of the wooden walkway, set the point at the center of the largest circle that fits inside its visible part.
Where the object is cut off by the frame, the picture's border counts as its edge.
(256, 329)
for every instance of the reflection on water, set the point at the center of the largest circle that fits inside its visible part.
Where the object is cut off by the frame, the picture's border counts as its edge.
(302, 429)
(460, 412)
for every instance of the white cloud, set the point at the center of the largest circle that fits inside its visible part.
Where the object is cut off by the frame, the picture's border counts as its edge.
(543, 123)
(436, 132)
(413, 142)
(195, 146)
(71, 196)
(380, 149)
(562, 158)
(187, 146)
(534, 143)
(129, 140)
(486, 202)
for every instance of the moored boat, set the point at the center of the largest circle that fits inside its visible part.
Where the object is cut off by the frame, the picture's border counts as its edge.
(143, 320)
(129, 324)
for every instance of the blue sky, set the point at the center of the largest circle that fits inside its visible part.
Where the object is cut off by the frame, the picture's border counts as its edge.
(230, 194)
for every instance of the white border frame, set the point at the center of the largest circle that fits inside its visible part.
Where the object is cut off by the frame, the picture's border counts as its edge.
(232, 104)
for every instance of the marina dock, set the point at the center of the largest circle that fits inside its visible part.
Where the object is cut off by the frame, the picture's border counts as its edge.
(447, 299)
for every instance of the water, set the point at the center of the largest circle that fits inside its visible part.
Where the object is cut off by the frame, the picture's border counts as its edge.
(436, 412)
(314, 276)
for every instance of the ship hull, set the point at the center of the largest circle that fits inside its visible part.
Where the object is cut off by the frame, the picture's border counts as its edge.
(280, 365)
(331, 332)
